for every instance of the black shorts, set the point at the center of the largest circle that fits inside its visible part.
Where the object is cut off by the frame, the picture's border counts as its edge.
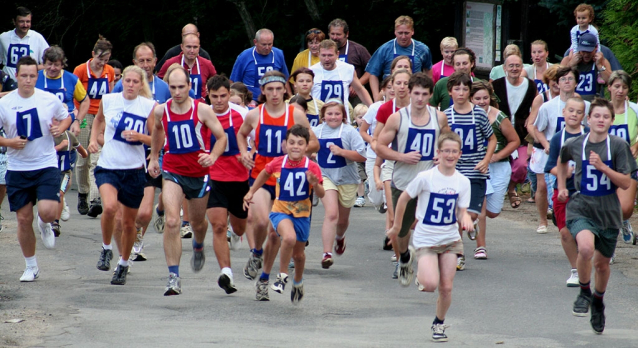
(24, 187)
(193, 187)
(270, 188)
(153, 182)
(477, 195)
(229, 195)
(129, 184)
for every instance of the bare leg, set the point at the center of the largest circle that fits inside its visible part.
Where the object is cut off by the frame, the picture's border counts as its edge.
(172, 196)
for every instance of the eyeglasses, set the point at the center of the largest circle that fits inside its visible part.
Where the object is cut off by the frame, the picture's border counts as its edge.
(316, 31)
(450, 152)
(564, 79)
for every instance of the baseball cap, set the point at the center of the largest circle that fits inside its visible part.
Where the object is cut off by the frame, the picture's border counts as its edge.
(587, 42)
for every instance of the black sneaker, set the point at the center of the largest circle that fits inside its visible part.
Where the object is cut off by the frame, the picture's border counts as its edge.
(104, 263)
(119, 278)
(225, 282)
(598, 318)
(83, 206)
(386, 244)
(95, 209)
(581, 305)
(55, 227)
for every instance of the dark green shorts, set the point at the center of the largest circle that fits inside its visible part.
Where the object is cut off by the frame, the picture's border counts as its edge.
(605, 239)
(410, 210)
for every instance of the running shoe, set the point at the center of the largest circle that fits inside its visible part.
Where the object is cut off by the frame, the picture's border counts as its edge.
(2, 226)
(418, 285)
(104, 263)
(327, 261)
(572, 281)
(382, 208)
(253, 266)
(438, 332)
(30, 274)
(393, 258)
(581, 305)
(542, 229)
(158, 220)
(186, 231)
(386, 243)
(66, 214)
(55, 227)
(174, 286)
(480, 253)
(197, 260)
(406, 273)
(261, 290)
(460, 263)
(612, 260)
(360, 202)
(95, 209)
(138, 247)
(550, 213)
(472, 234)
(627, 232)
(46, 233)
(395, 274)
(233, 239)
(296, 294)
(340, 246)
(119, 278)
(226, 282)
(315, 200)
(280, 284)
(83, 205)
(598, 318)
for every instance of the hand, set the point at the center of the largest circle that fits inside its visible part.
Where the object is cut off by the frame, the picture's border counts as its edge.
(563, 195)
(546, 150)
(353, 93)
(75, 128)
(482, 166)
(595, 161)
(336, 150)
(312, 178)
(154, 168)
(393, 232)
(205, 160)
(435, 160)
(55, 130)
(247, 160)
(248, 200)
(18, 143)
(466, 222)
(599, 59)
(378, 184)
(576, 58)
(131, 136)
(412, 157)
(494, 159)
(93, 147)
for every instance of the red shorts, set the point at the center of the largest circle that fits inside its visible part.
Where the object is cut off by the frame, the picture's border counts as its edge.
(559, 210)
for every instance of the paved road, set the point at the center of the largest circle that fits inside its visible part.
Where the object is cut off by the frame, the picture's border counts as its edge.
(517, 298)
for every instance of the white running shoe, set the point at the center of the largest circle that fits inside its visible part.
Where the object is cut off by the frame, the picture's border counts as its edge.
(360, 202)
(158, 221)
(234, 240)
(186, 231)
(66, 214)
(46, 233)
(30, 274)
(573, 280)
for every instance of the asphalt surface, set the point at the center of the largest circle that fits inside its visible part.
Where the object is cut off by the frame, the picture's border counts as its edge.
(516, 298)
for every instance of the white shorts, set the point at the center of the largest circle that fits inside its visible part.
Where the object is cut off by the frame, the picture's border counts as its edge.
(538, 160)
(500, 173)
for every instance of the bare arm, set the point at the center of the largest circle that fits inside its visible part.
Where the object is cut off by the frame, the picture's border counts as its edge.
(207, 116)
(513, 142)
(361, 91)
(157, 141)
(250, 122)
(387, 136)
(536, 105)
(98, 127)
(374, 86)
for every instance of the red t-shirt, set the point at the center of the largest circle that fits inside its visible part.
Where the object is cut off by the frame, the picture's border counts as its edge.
(228, 168)
(207, 70)
(183, 144)
(385, 110)
(294, 208)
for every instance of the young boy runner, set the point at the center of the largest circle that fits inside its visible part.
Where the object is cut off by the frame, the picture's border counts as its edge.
(573, 113)
(442, 193)
(594, 216)
(296, 176)
(471, 123)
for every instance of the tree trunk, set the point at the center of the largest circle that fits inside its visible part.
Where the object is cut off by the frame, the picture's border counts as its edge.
(247, 18)
(313, 10)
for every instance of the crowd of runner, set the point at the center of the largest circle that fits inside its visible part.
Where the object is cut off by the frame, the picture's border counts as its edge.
(431, 146)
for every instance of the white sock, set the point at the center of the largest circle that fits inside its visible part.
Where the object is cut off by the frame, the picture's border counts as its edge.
(340, 237)
(107, 247)
(31, 262)
(227, 271)
(123, 262)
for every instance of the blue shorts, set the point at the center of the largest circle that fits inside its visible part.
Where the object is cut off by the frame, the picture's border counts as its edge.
(269, 188)
(301, 224)
(129, 184)
(193, 187)
(477, 195)
(24, 187)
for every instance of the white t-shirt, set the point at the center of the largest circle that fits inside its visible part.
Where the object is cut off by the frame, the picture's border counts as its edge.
(326, 82)
(439, 196)
(12, 48)
(121, 115)
(515, 95)
(371, 119)
(31, 117)
(550, 118)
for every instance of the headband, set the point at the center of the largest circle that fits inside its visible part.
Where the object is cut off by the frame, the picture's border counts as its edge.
(268, 79)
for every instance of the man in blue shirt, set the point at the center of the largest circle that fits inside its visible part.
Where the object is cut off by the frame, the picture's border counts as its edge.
(255, 61)
(403, 45)
(145, 57)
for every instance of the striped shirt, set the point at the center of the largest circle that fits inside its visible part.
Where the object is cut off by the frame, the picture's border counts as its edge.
(477, 136)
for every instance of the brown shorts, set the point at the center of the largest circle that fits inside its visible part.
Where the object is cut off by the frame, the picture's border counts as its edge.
(454, 248)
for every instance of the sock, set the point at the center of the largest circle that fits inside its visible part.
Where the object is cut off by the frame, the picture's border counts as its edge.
(57, 221)
(197, 246)
(227, 271)
(264, 276)
(584, 289)
(30, 261)
(597, 299)
(405, 257)
(294, 282)
(340, 237)
(257, 252)
(174, 269)
(159, 212)
(185, 223)
(327, 254)
(437, 321)
(107, 247)
(123, 262)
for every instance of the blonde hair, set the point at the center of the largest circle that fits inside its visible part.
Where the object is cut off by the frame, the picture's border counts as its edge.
(360, 109)
(511, 49)
(404, 20)
(146, 90)
(449, 42)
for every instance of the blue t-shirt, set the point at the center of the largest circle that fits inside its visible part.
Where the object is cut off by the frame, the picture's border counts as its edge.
(381, 60)
(63, 88)
(250, 64)
(554, 151)
(160, 94)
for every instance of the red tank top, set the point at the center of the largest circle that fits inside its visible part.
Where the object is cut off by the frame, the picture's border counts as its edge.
(228, 168)
(270, 133)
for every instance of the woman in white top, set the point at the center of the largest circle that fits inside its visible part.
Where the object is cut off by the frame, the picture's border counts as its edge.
(535, 71)
(126, 120)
